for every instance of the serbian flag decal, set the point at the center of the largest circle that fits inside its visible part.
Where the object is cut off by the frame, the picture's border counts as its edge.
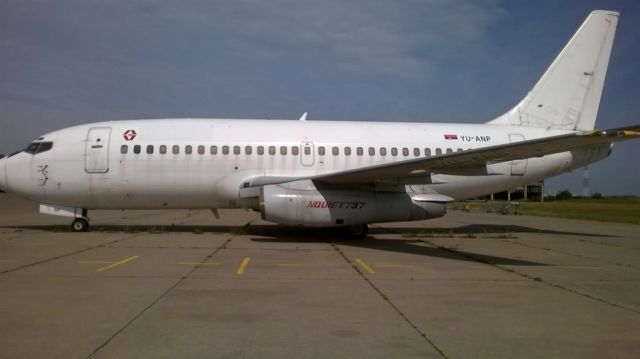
(450, 136)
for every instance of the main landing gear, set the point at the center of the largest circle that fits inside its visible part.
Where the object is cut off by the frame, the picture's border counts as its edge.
(358, 231)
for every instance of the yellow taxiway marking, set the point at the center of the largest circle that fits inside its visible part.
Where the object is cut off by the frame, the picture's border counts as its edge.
(364, 265)
(243, 266)
(200, 263)
(115, 264)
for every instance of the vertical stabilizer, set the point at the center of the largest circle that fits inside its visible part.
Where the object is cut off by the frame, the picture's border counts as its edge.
(568, 95)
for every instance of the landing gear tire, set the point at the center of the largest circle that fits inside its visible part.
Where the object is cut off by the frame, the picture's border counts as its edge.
(80, 225)
(358, 231)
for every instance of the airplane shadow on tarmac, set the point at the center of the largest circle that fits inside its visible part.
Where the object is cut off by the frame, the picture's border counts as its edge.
(409, 240)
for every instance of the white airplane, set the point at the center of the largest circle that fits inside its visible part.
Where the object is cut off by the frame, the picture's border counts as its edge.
(326, 174)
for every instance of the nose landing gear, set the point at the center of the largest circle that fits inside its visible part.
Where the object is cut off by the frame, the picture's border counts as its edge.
(80, 225)
(80, 215)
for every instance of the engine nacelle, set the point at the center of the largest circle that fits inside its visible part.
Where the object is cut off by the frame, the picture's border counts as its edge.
(334, 208)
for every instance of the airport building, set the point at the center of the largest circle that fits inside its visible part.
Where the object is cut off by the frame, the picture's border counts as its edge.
(530, 192)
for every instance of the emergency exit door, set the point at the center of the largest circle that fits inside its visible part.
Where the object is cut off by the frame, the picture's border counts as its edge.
(96, 158)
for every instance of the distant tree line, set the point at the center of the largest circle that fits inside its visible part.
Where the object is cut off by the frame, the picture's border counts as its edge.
(566, 195)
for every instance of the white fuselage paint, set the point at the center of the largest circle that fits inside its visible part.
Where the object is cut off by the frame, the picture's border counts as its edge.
(72, 175)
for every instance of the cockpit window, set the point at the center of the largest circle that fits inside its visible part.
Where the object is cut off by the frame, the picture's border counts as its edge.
(32, 148)
(45, 146)
(38, 147)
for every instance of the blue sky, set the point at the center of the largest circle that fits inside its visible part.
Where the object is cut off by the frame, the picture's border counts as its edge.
(69, 62)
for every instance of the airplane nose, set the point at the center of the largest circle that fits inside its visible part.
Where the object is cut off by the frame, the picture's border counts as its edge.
(3, 173)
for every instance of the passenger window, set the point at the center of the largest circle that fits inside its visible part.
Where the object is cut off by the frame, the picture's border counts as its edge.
(150, 149)
(248, 150)
(405, 151)
(335, 151)
(394, 151)
(372, 151)
(321, 150)
(347, 151)
(261, 150)
(124, 149)
(295, 150)
(359, 151)
(201, 150)
(136, 149)
(163, 149)
(449, 150)
(283, 150)
(225, 150)
(188, 149)
(213, 150)
(383, 151)
(236, 150)
(427, 152)
(175, 149)
(307, 151)
(272, 150)
(438, 151)
(416, 151)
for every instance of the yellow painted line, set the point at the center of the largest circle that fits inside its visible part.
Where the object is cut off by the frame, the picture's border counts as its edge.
(113, 265)
(364, 265)
(243, 266)
(200, 263)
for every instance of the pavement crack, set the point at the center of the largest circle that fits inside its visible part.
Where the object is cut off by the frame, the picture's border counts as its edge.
(517, 243)
(536, 279)
(162, 295)
(388, 301)
(68, 254)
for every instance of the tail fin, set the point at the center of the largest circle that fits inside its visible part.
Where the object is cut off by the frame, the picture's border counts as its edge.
(568, 95)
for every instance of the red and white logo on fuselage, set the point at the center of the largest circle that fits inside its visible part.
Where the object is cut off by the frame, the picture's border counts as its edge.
(129, 135)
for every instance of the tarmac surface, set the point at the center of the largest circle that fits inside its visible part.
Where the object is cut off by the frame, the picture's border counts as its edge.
(183, 284)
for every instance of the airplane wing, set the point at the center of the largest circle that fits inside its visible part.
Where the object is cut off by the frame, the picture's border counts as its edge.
(457, 162)
(470, 162)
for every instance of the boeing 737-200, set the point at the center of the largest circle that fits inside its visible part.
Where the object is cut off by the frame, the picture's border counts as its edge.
(326, 173)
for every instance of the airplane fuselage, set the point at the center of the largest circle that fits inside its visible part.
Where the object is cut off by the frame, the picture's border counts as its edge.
(202, 163)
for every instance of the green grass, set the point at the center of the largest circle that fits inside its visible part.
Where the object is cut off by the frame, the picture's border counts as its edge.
(614, 209)
(622, 210)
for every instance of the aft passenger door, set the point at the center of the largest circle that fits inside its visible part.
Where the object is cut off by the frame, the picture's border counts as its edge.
(306, 153)
(96, 158)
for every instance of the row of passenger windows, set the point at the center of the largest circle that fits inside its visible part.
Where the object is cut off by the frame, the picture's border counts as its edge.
(283, 150)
